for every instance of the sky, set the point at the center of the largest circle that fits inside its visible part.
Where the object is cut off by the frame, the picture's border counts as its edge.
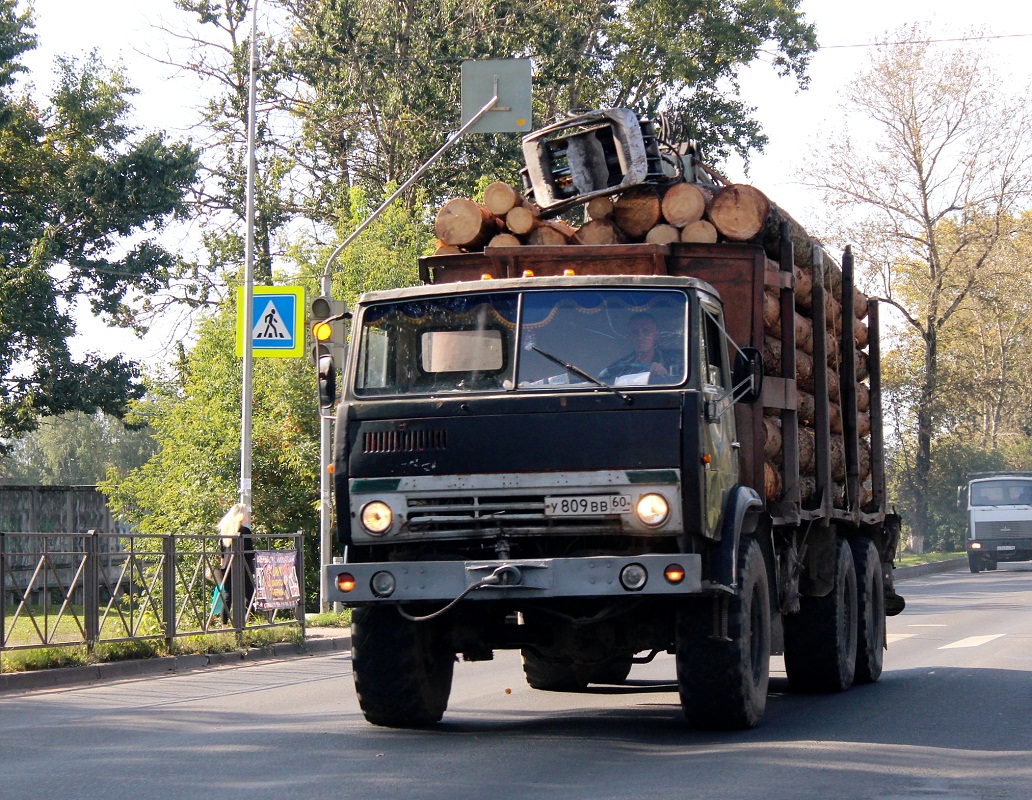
(792, 119)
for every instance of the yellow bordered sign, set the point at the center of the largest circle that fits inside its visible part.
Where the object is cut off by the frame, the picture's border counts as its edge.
(278, 322)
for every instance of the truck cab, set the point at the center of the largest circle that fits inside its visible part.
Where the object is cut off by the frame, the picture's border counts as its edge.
(999, 519)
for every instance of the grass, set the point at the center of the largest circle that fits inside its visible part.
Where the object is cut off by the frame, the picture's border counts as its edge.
(913, 559)
(330, 619)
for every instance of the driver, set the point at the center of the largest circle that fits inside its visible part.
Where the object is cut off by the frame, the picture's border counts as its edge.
(662, 366)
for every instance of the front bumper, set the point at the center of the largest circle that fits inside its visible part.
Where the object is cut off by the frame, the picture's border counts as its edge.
(444, 581)
(1001, 549)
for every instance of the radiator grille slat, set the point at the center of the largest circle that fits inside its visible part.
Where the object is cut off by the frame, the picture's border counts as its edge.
(406, 441)
(990, 528)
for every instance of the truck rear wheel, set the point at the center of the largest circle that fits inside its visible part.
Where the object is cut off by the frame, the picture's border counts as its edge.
(974, 563)
(820, 640)
(403, 674)
(870, 611)
(723, 684)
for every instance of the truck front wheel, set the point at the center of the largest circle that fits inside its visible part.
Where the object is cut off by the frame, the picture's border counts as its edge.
(974, 563)
(723, 680)
(403, 673)
(820, 639)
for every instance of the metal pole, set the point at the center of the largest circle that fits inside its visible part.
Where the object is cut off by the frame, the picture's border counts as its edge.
(325, 424)
(247, 397)
(325, 507)
(415, 177)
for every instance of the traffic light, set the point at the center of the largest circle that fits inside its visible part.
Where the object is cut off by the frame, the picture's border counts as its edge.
(328, 335)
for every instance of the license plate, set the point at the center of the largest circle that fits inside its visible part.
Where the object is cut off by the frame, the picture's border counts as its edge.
(587, 505)
(1004, 547)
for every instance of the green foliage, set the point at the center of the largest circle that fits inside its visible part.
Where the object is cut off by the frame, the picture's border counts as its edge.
(75, 449)
(76, 183)
(384, 89)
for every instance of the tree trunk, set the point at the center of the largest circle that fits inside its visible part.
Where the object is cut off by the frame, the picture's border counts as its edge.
(683, 203)
(637, 211)
(463, 223)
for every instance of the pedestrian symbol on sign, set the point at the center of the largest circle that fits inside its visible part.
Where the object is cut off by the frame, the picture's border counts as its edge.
(270, 325)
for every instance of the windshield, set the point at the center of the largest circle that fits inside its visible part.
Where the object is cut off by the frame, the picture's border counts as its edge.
(532, 341)
(1001, 493)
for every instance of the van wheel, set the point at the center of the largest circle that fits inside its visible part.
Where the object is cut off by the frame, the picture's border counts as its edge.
(820, 640)
(403, 672)
(870, 610)
(723, 684)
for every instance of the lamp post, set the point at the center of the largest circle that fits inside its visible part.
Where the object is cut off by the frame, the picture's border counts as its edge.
(247, 395)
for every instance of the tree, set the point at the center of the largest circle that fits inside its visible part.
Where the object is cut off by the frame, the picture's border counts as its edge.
(932, 184)
(379, 80)
(76, 449)
(83, 198)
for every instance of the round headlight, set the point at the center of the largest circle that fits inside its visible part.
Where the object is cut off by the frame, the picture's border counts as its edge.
(652, 509)
(377, 517)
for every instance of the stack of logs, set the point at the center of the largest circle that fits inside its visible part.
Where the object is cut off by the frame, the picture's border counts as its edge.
(691, 213)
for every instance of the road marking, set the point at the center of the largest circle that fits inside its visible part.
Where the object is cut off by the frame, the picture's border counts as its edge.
(927, 625)
(898, 637)
(972, 641)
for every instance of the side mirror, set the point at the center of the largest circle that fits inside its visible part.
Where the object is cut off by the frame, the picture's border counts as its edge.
(747, 374)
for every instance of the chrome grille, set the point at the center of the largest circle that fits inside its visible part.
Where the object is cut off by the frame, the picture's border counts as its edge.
(514, 514)
(404, 441)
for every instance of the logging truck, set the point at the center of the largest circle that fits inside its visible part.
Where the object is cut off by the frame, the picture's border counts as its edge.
(597, 447)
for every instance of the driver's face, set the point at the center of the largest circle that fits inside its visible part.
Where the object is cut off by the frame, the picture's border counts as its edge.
(642, 334)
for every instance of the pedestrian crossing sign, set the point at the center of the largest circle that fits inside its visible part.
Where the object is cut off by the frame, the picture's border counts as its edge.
(277, 322)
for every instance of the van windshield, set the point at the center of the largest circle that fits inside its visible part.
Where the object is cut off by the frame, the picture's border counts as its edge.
(522, 341)
(1001, 493)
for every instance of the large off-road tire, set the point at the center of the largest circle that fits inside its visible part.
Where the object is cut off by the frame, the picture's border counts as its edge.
(974, 563)
(820, 640)
(723, 684)
(553, 673)
(403, 670)
(870, 611)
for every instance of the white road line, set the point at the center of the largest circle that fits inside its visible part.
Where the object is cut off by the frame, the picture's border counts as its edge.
(927, 625)
(972, 641)
(898, 637)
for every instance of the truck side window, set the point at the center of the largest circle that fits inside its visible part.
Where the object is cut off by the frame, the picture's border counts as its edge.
(714, 346)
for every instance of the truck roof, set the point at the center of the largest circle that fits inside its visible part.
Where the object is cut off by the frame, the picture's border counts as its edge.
(552, 282)
(975, 477)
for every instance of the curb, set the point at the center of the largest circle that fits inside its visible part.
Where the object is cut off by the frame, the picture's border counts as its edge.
(167, 665)
(931, 568)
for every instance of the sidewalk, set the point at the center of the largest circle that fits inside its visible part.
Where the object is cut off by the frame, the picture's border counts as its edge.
(317, 640)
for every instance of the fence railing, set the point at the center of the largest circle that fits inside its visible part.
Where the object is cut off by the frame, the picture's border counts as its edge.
(92, 588)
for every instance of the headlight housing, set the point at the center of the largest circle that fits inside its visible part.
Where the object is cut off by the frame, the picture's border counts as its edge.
(377, 517)
(652, 509)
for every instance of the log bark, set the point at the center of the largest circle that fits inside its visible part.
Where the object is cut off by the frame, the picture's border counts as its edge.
(500, 198)
(701, 232)
(637, 211)
(683, 203)
(599, 231)
(463, 223)
(807, 450)
(663, 234)
(860, 333)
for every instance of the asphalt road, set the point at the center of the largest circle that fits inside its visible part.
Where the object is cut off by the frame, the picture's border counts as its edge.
(951, 718)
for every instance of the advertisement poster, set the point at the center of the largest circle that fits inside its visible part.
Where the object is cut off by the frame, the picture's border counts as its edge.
(276, 584)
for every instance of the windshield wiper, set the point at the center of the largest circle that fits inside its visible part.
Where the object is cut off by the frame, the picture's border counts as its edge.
(582, 374)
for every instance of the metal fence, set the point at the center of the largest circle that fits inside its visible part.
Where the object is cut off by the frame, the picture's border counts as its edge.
(92, 588)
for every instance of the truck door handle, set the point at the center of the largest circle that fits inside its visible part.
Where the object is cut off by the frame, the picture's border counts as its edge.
(736, 445)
